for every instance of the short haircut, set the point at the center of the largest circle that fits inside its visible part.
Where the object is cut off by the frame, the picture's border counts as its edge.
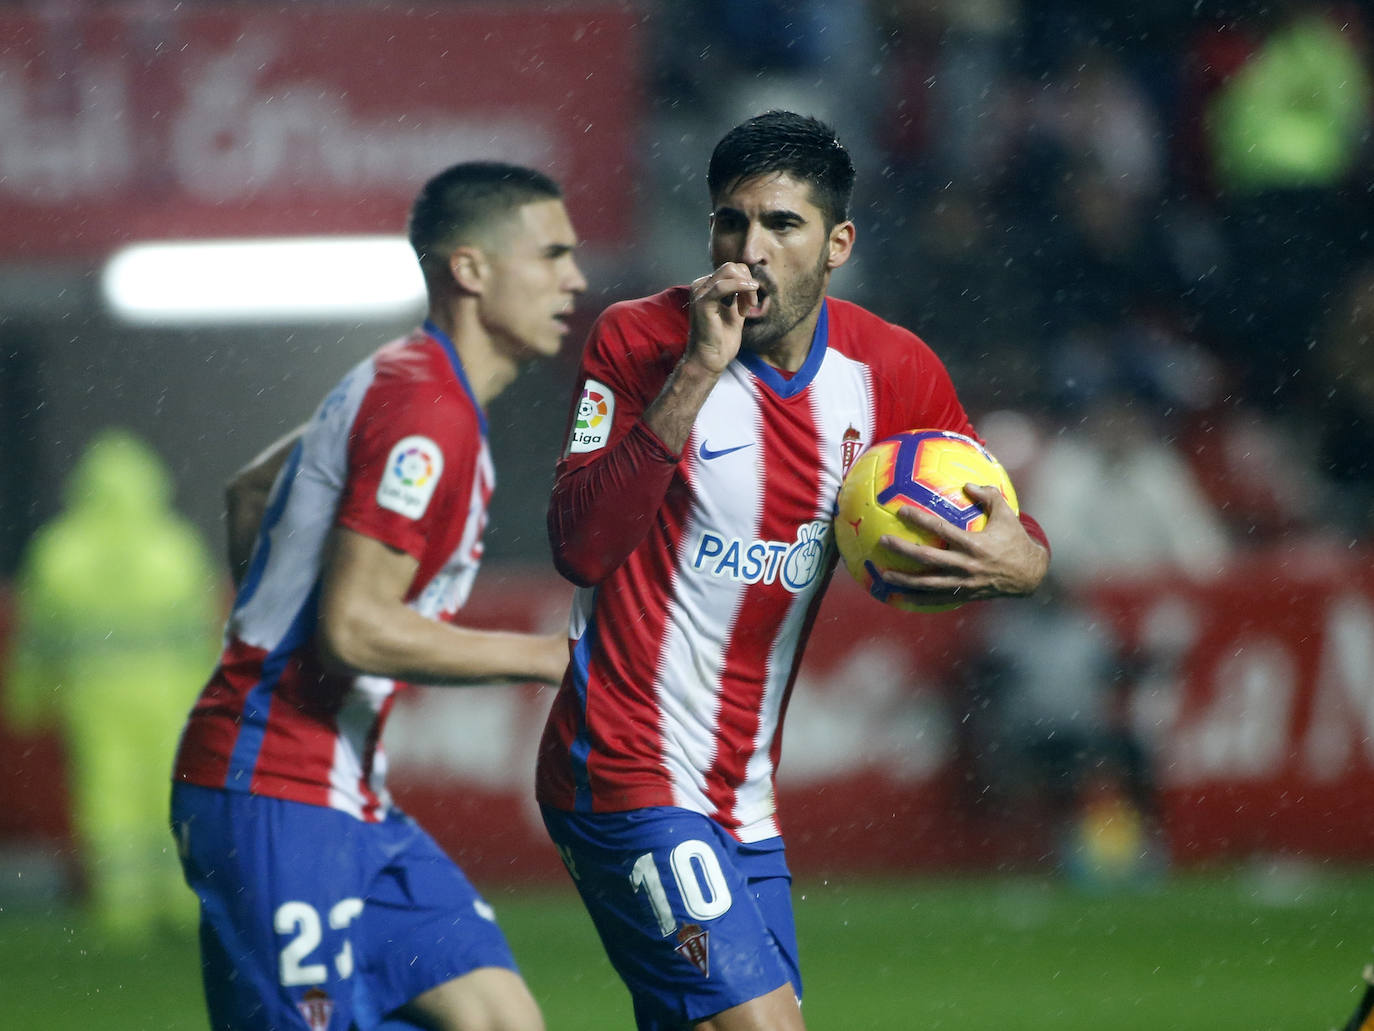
(780, 141)
(459, 203)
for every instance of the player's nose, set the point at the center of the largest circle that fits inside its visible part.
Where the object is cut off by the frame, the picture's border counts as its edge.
(752, 247)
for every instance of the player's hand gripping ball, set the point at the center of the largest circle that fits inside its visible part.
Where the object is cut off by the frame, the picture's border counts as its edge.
(925, 468)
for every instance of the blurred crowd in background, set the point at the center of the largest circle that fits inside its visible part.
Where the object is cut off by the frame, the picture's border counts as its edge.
(1139, 236)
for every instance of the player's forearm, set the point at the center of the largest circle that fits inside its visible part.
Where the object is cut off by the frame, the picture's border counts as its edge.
(398, 642)
(599, 512)
(673, 413)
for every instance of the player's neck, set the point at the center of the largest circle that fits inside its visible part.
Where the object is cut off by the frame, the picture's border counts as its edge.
(790, 351)
(489, 370)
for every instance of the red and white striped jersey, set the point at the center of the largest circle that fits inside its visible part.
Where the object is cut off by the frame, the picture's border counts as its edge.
(685, 654)
(397, 452)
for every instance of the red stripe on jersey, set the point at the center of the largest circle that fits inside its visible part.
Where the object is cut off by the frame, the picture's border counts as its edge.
(789, 432)
(208, 741)
(775, 751)
(625, 767)
(297, 754)
(554, 776)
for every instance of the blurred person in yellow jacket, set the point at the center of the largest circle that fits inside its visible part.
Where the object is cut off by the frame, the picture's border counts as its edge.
(117, 615)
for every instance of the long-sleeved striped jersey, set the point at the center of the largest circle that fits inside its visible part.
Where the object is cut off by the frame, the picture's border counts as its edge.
(702, 573)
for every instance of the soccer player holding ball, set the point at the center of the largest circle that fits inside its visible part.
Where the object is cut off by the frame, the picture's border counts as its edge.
(323, 906)
(712, 427)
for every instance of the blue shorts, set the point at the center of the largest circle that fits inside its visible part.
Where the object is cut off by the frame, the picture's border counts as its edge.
(693, 921)
(313, 920)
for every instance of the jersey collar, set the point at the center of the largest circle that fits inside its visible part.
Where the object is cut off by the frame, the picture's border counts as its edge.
(451, 353)
(801, 379)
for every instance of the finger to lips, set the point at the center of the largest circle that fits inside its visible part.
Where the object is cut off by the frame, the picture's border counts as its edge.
(738, 287)
(747, 299)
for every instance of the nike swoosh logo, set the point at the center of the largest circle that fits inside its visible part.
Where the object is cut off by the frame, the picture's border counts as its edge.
(706, 454)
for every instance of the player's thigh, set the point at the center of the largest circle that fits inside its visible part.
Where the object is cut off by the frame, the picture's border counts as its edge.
(779, 1010)
(311, 918)
(679, 919)
(488, 999)
(280, 891)
(428, 938)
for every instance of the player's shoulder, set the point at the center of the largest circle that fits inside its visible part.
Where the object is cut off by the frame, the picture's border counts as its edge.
(659, 317)
(414, 358)
(670, 304)
(416, 388)
(869, 338)
(856, 330)
(417, 366)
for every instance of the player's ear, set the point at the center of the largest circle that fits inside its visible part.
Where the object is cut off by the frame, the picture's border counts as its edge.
(840, 245)
(469, 268)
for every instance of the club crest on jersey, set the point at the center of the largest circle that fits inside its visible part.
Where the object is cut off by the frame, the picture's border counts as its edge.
(592, 424)
(795, 564)
(850, 446)
(692, 944)
(316, 1008)
(411, 474)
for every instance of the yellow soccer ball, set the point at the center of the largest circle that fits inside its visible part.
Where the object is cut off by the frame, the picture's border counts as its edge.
(925, 468)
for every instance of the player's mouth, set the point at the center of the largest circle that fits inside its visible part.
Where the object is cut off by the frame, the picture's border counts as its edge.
(758, 310)
(564, 320)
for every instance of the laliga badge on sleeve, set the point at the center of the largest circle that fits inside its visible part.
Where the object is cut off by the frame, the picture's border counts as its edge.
(592, 425)
(412, 471)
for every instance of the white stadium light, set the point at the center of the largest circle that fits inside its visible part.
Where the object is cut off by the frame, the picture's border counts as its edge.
(208, 282)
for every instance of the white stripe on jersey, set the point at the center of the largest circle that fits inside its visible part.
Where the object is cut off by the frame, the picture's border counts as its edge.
(842, 387)
(357, 720)
(291, 572)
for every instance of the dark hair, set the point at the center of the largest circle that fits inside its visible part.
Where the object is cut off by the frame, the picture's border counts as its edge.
(781, 141)
(463, 198)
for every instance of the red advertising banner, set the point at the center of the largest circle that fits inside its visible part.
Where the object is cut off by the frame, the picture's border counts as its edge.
(168, 121)
(1256, 711)
(1261, 719)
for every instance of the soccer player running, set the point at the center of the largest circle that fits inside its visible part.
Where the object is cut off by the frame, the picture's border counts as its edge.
(323, 905)
(713, 427)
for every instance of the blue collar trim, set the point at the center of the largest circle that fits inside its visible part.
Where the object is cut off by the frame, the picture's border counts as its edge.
(801, 379)
(452, 353)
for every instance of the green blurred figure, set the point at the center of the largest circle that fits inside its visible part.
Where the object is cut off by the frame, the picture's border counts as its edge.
(1296, 115)
(1299, 110)
(118, 609)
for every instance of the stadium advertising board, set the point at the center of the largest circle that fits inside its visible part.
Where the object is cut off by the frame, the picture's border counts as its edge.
(168, 121)
(1257, 710)
(1256, 707)
(1260, 716)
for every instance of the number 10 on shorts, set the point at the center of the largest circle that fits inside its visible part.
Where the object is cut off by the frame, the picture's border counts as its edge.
(700, 883)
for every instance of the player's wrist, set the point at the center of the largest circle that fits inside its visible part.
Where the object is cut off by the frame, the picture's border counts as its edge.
(696, 368)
